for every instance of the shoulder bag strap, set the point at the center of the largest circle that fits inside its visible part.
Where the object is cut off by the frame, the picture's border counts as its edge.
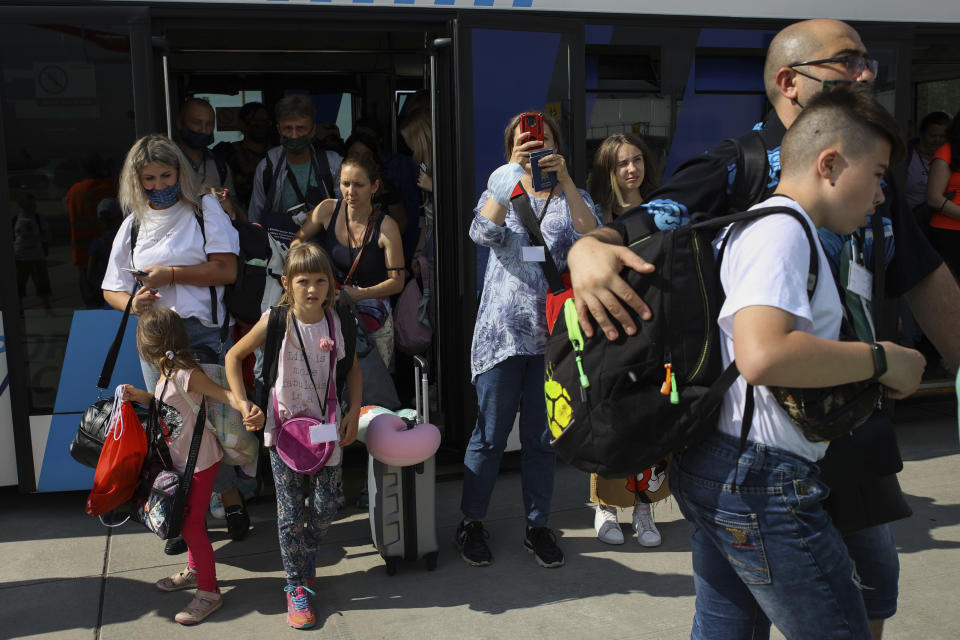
(325, 407)
(114, 351)
(521, 204)
(367, 232)
(187, 477)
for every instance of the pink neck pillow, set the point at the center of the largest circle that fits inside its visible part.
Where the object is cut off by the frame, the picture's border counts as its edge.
(390, 442)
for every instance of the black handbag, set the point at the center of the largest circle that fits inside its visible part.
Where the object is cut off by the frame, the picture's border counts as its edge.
(88, 442)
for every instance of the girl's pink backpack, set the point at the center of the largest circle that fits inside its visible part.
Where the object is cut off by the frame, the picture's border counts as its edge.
(411, 324)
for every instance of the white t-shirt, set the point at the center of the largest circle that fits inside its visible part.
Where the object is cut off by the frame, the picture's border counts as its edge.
(172, 237)
(766, 264)
(293, 390)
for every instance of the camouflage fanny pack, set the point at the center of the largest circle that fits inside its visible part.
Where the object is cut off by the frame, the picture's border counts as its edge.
(831, 412)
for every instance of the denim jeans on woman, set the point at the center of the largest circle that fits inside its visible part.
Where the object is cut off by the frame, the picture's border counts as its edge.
(767, 552)
(515, 382)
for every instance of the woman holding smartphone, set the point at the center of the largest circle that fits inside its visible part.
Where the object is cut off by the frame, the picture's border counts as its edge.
(510, 335)
(177, 265)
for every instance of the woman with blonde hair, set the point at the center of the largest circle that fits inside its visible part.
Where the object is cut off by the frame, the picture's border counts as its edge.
(175, 249)
(623, 175)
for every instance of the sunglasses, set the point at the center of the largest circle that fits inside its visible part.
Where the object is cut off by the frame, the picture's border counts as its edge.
(854, 63)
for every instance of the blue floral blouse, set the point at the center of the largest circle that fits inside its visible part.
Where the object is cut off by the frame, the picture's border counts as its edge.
(512, 319)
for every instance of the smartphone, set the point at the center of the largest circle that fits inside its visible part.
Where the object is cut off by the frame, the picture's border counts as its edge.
(542, 180)
(136, 272)
(532, 123)
(423, 168)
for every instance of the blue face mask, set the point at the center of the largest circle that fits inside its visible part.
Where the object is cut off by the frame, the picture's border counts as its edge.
(162, 198)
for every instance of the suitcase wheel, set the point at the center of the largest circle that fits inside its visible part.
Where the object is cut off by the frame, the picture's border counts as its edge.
(392, 564)
(432, 560)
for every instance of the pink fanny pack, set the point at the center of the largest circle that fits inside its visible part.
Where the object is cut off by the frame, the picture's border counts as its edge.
(294, 443)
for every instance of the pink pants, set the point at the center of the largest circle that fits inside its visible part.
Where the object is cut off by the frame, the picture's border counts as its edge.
(194, 530)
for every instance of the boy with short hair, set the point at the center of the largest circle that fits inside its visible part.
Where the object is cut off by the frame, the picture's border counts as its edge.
(764, 548)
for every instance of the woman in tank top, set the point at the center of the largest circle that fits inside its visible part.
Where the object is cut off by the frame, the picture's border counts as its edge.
(365, 247)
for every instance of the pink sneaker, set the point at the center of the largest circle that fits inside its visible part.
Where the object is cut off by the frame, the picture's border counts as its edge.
(300, 614)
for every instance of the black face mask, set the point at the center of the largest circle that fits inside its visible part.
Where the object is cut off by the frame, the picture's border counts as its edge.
(259, 133)
(296, 145)
(195, 139)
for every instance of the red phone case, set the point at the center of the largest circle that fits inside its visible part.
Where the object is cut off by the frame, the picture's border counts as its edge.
(532, 122)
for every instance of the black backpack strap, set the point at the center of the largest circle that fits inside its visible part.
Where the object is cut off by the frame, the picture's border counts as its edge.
(221, 164)
(813, 273)
(276, 328)
(322, 167)
(752, 171)
(521, 204)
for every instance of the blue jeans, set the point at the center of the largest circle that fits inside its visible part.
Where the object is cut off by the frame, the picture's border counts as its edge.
(515, 382)
(767, 552)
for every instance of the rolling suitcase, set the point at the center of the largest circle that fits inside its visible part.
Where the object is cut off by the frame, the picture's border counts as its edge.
(403, 516)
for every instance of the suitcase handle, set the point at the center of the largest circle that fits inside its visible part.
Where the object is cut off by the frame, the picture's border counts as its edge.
(421, 386)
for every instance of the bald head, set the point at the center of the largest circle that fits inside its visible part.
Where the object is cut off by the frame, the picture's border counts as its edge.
(807, 40)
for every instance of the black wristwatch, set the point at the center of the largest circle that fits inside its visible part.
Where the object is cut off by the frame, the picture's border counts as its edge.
(879, 360)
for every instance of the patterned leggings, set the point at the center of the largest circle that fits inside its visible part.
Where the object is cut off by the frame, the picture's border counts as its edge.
(302, 526)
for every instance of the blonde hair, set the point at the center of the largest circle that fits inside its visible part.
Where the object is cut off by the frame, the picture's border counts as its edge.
(155, 149)
(308, 257)
(416, 132)
(160, 332)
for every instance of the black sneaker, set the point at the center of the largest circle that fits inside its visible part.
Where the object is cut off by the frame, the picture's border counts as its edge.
(542, 543)
(472, 543)
(175, 546)
(238, 522)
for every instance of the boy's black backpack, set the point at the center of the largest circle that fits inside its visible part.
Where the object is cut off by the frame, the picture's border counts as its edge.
(605, 399)
(277, 328)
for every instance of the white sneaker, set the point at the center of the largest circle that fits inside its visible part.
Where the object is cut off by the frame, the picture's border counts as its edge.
(643, 524)
(216, 507)
(606, 525)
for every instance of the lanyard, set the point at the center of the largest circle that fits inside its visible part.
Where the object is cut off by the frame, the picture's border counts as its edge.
(330, 392)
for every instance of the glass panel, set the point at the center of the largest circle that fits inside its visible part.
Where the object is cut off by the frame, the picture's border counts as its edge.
(68, 122)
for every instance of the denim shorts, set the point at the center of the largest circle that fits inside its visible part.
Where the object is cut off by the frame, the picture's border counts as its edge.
(874, 552)
(764, 548)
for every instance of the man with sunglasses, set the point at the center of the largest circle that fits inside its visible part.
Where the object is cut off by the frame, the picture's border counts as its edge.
(803, 59)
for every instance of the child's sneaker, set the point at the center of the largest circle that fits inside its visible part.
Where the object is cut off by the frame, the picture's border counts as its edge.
(186, 579)
(472, 543)
(542, 543)
(216, 506)
(203, 604)
(646, 528)
(300, 613)
(607, 526)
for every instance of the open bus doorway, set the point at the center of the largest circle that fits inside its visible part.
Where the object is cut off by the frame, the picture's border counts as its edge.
(358, 76)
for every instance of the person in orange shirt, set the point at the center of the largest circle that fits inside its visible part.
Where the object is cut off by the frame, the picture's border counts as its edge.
(943, 195)
(82, 200)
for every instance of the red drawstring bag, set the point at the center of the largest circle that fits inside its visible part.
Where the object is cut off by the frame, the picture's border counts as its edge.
(118, 469)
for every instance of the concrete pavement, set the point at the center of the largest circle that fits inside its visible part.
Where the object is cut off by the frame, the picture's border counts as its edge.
(64, 576)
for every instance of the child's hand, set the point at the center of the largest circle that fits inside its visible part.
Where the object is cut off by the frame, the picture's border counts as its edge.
(132, 394)
(904, 370)
(253, 418)
(348, 427)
